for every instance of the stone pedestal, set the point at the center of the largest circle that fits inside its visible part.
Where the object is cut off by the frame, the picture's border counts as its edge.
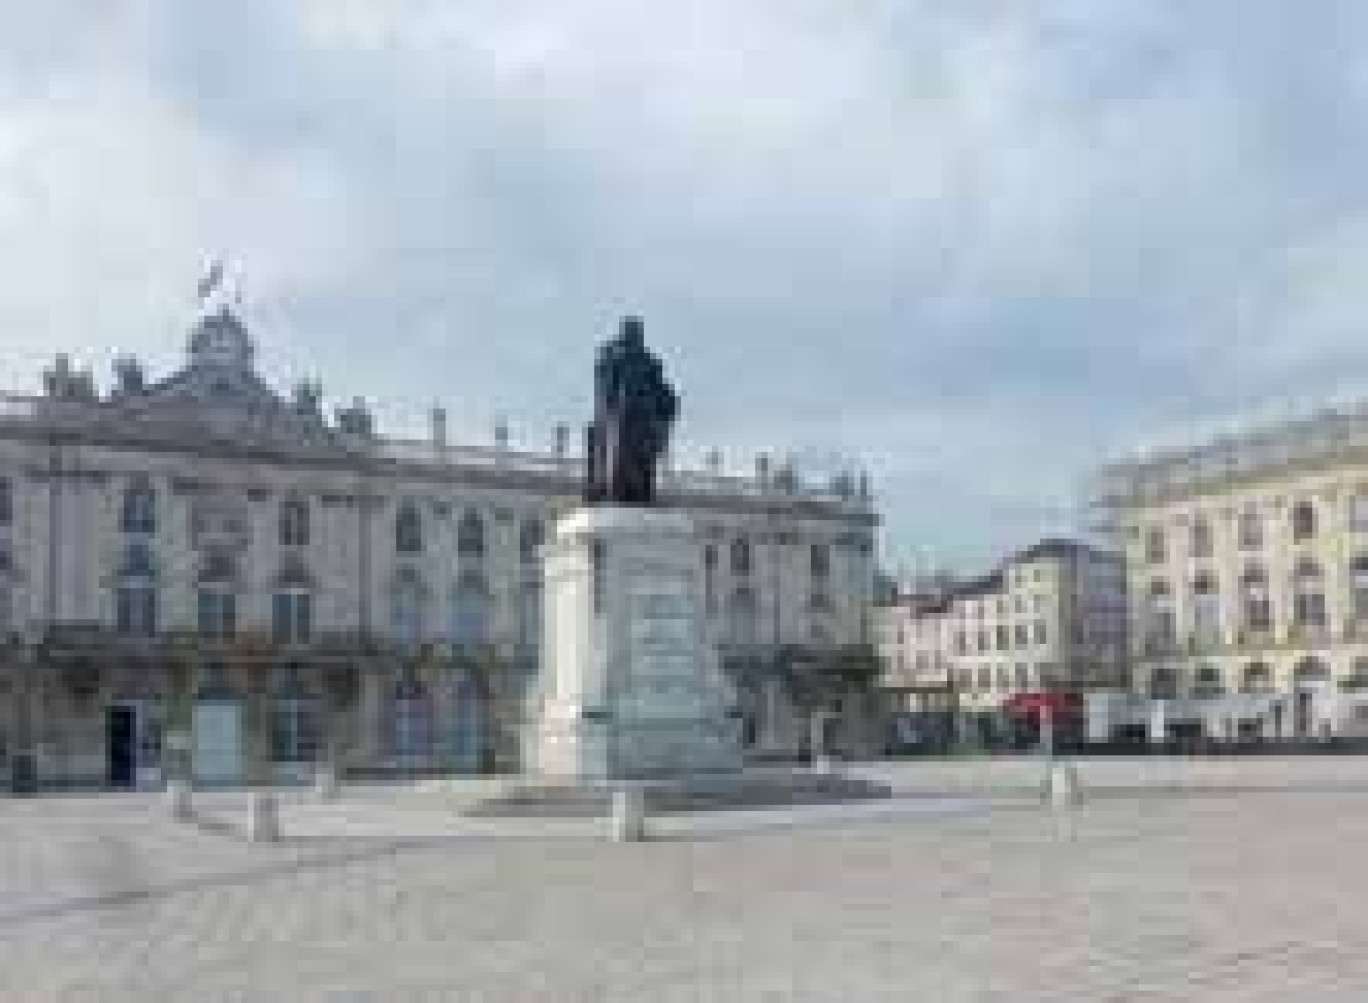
(630, 688)
(263, 820)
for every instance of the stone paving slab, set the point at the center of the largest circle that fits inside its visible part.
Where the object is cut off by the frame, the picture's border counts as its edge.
(945, 895)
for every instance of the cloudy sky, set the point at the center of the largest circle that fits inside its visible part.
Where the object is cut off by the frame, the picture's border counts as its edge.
(981, 244)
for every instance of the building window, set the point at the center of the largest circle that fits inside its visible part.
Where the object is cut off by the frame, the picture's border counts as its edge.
(1206, 608)
(961, 642)
(292, 616)
(408, 529)
(406, 611)
(1310, 671)
(1258, 609)
(470, 611)
(743, 618)
(470, 536)
(1164, 683)
(1003, 682)
(983, 639)
(1257, 678)
(1161, 629)
(136, 609)
(1021, 635)
(740, 557)
(1303, 521)
(295, 720)
(710, 584)
(530, 615)
(966, 680)
(1023, 676)
(138, 514)
(410, 720)
(985, 678)
(1003, 638)
(6, 502)
(1201, 537)
(217, 609)
(294, 523)
(1250, 530)
(529, 542)
(1154, 545)
(1358, 578)
(1308, 608)
(1208, 681)
(819, 560)
(1041, 634)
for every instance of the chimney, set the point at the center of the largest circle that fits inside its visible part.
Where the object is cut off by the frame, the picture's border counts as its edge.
(439, 428)
(562, 439)
(501, 433)
(762, 469)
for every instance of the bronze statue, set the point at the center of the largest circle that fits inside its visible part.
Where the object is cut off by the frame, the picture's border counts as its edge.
(634, 408)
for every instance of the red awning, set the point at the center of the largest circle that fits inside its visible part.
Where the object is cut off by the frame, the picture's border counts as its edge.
(1033, 704)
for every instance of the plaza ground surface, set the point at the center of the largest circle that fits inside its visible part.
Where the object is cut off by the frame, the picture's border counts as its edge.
(1181, 880)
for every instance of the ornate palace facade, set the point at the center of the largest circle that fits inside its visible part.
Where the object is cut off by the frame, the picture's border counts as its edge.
(202, 557)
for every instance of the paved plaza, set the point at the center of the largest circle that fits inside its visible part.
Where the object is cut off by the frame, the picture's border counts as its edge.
(1212, 880)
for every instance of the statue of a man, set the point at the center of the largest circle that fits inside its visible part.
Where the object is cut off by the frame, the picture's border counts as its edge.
(634, 409)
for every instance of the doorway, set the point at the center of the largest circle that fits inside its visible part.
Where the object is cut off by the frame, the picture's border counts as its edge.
(121, 724)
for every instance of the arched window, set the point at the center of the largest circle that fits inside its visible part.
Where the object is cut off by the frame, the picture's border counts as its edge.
(530, 541)
(1257, 678)
(1201, 537)
(1206, 608)
(1208, 681)
(1250, 533)
(470, 535)
(294, 523)
(740, 557)
(1154, 545)
(138, 513)
(470, 611)
(408, 529)
(1164, 683)
(1308, 600)
(1257, 607)
(407, 608)
(1303, 521)
(135, 598)
(819, 560)
(743, 618)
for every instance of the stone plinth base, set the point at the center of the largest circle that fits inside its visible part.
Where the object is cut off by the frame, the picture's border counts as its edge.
(631, 689)
(759, 787)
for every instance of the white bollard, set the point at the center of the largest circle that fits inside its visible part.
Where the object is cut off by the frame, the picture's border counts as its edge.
(629, 815)
(263, 822)
(325, 781)
(1061, 785)
(178, 799)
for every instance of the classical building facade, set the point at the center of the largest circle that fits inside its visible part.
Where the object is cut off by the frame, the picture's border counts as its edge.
(200, 558)
(1049, 620)
(1247, 560)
